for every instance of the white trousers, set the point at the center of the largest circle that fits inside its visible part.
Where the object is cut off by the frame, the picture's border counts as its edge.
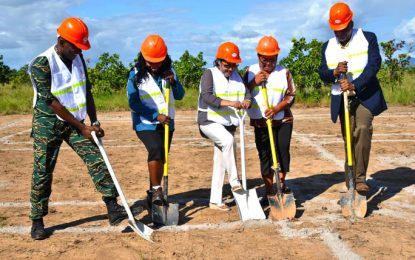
(224, 159)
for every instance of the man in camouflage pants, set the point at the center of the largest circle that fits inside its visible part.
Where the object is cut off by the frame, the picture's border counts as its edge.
(62, 100)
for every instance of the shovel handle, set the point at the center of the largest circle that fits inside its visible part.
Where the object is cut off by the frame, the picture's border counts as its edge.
(98, 141)
(346, 108)
(269, 125)
(166, 143)
(275, 164)
(242, 143)
(166, 130)
(347, 129)
(349, 168)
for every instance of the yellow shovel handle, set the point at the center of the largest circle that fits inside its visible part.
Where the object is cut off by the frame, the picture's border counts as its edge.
(270, 133)
(347, 129)
(166, 133)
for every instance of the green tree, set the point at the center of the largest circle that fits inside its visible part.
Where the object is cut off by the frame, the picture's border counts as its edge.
(303, 61)
(190, 69)
(4, 72)
(394, 66)
(108, 75)
(20, 76)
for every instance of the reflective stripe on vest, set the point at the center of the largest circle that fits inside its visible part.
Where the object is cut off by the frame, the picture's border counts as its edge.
(69, 87)
(232, 90)
(152, 97)
(355, 53)
(276, 85)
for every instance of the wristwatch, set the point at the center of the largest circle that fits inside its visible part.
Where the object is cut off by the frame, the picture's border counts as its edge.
(96, 122)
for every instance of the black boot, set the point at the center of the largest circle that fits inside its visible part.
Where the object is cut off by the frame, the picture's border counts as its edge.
(38, 229)
(117, 213)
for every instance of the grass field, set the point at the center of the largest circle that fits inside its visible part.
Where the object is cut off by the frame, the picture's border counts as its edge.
(17, 99)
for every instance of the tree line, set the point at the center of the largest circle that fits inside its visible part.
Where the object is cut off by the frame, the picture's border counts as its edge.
(109, 74)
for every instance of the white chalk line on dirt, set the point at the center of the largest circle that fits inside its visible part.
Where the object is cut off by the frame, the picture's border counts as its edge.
(23, 230)
(336, 245)
(373, 141)
(329, 156)
(332, 240)
(94, 203)
(180, 228)
(10, 124)
(4, 139)
(202, 142)
(192, 118)
(320, 149)
(198, 142)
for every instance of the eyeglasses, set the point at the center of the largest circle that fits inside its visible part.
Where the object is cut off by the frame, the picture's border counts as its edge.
(227, 65)
(267, 60)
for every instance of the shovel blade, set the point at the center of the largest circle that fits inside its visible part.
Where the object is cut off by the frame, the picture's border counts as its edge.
(282, 206)
(353, 204)
(248, 205)
(359, 205)
(141, 229)
(166, 215)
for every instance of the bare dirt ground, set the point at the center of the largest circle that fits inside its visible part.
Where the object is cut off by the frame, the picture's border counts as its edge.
(77, 219)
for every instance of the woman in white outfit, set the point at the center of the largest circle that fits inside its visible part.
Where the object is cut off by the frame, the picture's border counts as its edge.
(221, 91)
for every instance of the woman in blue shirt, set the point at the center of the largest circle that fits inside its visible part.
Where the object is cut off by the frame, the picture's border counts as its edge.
(146, 96)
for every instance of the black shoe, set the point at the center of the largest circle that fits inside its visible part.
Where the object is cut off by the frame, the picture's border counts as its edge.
(38, 229)
(157, 197)
(117, 213)
(264, 201)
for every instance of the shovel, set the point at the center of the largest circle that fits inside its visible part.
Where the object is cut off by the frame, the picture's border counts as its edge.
(138, 227)
(282, 204)
(247, 200)
(352, 204)
(167, 214)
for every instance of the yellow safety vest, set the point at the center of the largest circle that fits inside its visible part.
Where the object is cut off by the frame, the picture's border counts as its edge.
(152, 97)
(276, 88)
(355, 53)
(232, 89)
(68, 87)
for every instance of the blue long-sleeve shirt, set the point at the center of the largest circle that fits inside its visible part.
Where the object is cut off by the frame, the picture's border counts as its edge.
(139, 109)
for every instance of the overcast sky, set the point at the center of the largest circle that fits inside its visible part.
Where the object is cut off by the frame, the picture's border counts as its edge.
(28, 27)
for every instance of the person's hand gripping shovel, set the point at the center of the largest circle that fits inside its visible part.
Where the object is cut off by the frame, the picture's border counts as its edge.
(352, 204)
(282, 205)
(247, 200)
(168, 213)
(138, 227)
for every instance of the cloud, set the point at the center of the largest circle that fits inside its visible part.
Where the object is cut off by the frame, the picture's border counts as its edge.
(12, 3)
(244, 33)
(7, 42)
(283, 20)
(29, 27)
(406, 30)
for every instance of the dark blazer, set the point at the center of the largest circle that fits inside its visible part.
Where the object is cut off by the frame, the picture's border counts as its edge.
(367, 85)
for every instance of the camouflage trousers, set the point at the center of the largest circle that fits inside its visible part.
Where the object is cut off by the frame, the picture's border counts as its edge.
(48, 134)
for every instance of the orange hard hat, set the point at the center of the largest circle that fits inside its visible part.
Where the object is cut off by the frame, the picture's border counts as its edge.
(340, 16)
(268, 46)
(154, 48)
(75, 31)
(229, 52)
